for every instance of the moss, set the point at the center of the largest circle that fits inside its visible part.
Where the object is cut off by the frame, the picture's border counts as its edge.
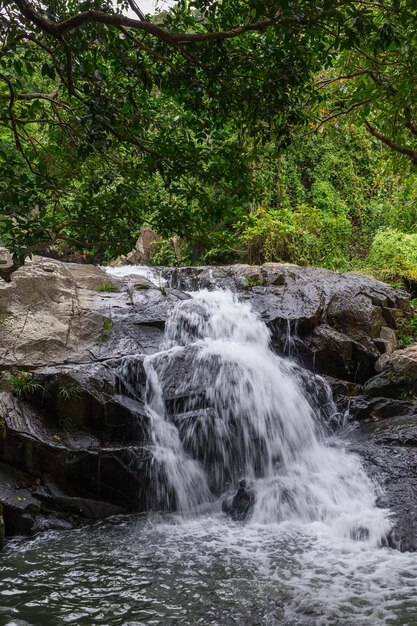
(395, 378)
(408, 396)
(407, 331)
(105, 332)
(107, 288)
(254, 281)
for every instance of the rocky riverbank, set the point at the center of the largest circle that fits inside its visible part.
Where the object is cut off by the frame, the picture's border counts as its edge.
(73, 442)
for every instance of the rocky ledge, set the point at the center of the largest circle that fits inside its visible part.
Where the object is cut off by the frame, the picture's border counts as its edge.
(73, 441)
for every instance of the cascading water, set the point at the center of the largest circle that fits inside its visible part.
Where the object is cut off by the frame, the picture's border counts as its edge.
(222, 407)
(238, 411)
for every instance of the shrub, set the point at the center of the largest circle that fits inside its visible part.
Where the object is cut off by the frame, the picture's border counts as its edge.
(306, 236)
(393, 255)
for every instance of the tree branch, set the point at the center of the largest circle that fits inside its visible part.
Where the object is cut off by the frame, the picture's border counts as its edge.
(412, 154)
(58, 29)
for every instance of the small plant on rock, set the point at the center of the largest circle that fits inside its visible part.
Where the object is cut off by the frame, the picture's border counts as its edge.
(407, 332)
(105, 333)
(71, 391)
(23, 384)
(107, 288)
(254, 281)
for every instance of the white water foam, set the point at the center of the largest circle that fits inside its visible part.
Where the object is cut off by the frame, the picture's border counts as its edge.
(122, 271)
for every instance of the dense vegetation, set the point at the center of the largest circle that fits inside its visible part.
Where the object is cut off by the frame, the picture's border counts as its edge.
(249, 131)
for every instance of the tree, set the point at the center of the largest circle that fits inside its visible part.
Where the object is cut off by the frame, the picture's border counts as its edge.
(373, 81)
(178, 107)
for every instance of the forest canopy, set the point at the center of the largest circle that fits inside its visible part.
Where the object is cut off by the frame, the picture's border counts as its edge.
(262, 130)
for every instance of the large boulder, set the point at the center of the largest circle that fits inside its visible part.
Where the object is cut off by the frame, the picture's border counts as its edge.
(48, 313)
(336, 324)
(83, 462)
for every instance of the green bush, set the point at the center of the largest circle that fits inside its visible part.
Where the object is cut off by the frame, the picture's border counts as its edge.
(393, 255)
(305, 236)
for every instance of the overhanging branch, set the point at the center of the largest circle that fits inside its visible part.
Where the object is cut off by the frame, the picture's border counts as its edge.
(409, 152)
(58, 29)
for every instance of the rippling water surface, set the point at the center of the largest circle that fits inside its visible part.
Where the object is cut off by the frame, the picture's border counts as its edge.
(209, 571)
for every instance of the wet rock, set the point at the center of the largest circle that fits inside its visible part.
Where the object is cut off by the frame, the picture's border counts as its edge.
(336, 324)
(1, 526)
(79, 460)
(240, 506)
(141, 282)
(87, 397)
(20, 508)
(84, 507)
(389, 450)
(51, 522)
(379, 408)
(86, 424)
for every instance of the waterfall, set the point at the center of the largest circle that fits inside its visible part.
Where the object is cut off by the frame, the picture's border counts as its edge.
(223, 407)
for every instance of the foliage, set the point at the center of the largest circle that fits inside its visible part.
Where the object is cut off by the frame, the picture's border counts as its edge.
(70, 391)
(105, 333)
(246, 130)
(166, 254)
(393, 255)
(407, 331)
(254, 281)
(305, 236)
(23, 384)
(107, 288)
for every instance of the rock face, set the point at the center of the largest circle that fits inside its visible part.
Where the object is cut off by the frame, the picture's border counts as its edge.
(74, 439)
(6, 263)
(386, 437)
(48, 313)
(336, 324)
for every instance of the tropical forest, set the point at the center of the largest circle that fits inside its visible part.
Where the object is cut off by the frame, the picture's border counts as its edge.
(208, 312)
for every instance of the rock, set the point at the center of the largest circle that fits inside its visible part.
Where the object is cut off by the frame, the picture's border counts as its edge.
(1, 526)
(379, 408)
(87, 397)
(240, 506)
(6, 264)
(141, 282)
(79, 460)
(146, 244)
(336, 324)
(51, 522)
(248, 275)
(389, 450)
(20, 508)
(402, 363)
(388, 336)
(84, 507)
(85, 425)
(47, 313)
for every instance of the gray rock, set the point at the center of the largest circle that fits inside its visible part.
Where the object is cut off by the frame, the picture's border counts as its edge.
(389, 450)
(20, 508)
(6, 264)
